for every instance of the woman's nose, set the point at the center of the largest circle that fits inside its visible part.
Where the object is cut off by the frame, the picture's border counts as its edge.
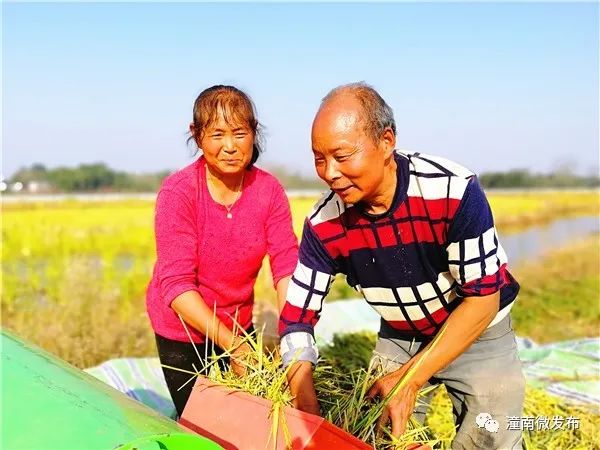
(228, 144)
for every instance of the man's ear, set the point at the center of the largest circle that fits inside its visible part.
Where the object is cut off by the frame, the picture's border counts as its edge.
(388, 142)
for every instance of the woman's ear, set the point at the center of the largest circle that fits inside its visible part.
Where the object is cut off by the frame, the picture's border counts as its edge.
(194, 135)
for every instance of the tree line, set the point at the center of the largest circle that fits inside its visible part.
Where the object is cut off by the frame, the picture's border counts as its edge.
(523, 178)
(98, 177)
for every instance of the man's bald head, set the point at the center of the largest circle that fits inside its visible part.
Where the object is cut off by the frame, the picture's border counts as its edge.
(374, 112)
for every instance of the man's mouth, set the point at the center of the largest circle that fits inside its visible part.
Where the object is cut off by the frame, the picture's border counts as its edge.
(341, 190)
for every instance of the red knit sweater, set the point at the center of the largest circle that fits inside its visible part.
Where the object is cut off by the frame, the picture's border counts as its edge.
(199, 249)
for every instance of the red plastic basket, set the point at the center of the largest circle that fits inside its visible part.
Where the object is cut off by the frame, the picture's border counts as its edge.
(240, 421)
(237, 420)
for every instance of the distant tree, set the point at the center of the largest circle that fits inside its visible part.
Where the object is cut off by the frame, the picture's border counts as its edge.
(37, 172)
(86, 177)
(39, 168)
(95, 176)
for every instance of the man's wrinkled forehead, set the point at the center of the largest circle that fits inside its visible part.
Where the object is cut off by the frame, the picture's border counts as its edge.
(339, 114)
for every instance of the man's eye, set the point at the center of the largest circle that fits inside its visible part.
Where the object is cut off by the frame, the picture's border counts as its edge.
(341, 158)
(241, 135)
(216, 135)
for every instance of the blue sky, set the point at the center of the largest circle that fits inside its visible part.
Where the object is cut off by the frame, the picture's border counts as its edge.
(491, 85)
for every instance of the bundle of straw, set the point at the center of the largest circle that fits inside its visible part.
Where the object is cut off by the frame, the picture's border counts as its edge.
(341, 388)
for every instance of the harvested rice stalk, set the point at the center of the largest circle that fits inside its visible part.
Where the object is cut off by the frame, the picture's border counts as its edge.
(539, 405)
(581, 433)
(350, 350)
(342, 395)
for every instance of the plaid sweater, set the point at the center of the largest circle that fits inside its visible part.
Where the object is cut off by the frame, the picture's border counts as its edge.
(413, 264)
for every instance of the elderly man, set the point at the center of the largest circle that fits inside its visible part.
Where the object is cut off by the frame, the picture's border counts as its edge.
(414, 234)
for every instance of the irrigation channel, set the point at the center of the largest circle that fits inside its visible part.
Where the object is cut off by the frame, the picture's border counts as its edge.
(534, 241)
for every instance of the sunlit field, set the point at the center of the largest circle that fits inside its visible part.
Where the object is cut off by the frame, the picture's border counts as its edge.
(74, 274)
(515, 211)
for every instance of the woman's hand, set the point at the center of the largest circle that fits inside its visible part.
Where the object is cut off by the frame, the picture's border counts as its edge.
(241, 356)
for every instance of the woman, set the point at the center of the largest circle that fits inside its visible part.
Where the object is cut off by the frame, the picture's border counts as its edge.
(215, 221)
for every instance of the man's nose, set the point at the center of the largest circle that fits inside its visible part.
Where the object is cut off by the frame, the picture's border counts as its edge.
(331, 171)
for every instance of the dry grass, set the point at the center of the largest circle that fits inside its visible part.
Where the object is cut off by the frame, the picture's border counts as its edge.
(91, 323)
(560, 293)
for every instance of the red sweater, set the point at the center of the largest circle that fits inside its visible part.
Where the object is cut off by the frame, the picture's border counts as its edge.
(199, 249)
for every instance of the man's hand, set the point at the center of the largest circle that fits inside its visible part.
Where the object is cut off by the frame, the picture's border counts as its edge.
(300, 378)
(306, 400)
(401, 406)
(464, 325)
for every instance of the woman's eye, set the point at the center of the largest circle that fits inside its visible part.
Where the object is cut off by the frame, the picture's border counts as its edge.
(241, 135)
(216, 135)
(341, 158)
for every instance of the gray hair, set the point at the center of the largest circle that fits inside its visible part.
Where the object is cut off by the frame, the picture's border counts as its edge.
(376, 113)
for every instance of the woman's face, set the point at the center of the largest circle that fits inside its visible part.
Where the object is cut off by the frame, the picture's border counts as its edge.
(227, 148)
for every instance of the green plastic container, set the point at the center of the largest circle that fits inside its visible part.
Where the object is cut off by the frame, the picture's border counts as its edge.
(49, 404)
(175, 441)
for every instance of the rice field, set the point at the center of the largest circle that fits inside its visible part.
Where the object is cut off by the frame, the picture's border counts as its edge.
(74, 273)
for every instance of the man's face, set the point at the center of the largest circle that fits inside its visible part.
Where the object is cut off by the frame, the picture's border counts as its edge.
(346, 157)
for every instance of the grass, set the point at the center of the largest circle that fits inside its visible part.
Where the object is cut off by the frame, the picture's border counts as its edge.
(560, 293)
(520, 209)
(85, 320)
